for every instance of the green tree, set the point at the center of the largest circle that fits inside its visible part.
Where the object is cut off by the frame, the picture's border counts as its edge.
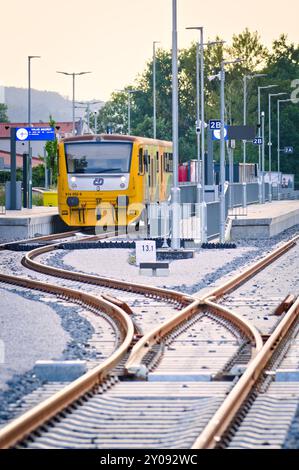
(3, 113)
(280, 63)
(51, 150)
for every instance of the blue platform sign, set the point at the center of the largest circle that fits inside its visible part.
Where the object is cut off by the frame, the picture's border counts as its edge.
(258, 141)
(289, 150)
(216, 134)
(25, 134)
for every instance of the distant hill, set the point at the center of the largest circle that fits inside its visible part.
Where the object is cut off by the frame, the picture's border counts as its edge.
(43, 103)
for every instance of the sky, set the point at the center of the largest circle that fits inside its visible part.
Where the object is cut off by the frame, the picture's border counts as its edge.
(113, 38)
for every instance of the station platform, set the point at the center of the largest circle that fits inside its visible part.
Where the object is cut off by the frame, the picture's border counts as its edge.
(265, 220)
(28, 223)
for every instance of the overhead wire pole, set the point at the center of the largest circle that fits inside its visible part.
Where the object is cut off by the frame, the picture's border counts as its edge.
(222, 155)
(199, 130)
(270, 143)
(175, 190)
(245, 78)
(88, 103)
(29, 199)
(222, 148)
(202, 89)
(154, 91)
(129, 113)
(263, 156)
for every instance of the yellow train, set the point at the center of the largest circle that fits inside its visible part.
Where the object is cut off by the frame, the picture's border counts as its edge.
(107, 180)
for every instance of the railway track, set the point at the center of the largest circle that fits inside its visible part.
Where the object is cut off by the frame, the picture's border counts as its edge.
(174, 406)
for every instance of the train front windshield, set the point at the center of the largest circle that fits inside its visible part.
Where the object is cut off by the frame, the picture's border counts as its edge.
(98, 157)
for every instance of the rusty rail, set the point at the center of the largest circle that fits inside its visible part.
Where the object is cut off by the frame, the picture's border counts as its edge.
(29, 262)
(141, 348)
(239, 279)
(218, 425)
(29, 421)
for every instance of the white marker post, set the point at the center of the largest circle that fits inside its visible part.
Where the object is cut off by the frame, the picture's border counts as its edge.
(145, 251)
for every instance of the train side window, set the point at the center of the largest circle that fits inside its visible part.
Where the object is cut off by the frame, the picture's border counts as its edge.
(170, 162)
(157, 162)
(165, 161)
(150, 166)
(140, 161)
(145, 160)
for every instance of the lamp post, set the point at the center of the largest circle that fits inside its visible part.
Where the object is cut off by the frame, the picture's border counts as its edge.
(73, 74)
(129, 93)
(270, 143)
(175, 190)
(259, 132)
(200, 126)
(154, 91)
(222, 148)
(245, 78)
(29, 201)
(278, 143)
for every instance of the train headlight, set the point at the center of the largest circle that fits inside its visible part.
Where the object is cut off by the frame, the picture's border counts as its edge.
(123, 182)
(73, 179)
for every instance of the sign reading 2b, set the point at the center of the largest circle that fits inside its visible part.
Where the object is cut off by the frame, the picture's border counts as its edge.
(214, 124)
(145, 251)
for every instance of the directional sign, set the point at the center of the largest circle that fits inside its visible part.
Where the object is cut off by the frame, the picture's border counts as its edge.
(216, 134)
(24, 134)
(289, 150)
(258, 141)
(214, 124)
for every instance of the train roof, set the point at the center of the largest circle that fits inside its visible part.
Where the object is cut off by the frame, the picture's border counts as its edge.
(115, 137)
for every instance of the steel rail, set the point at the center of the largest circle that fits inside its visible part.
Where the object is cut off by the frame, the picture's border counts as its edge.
(244, 325)
(239, 279)
(57, 236)
(53, 236)
(141, 348)
(29, 262)
(29, 421)
(218, 425)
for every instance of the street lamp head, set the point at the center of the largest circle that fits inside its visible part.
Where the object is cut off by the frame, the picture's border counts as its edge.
(267, 86)
(200, 28)
(235, 61)
(73, 73)
(213, 77)
(256, 75)
(277, 94)
(64, 73)
(213, 43)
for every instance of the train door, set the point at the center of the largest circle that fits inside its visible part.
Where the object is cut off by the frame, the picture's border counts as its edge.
(162, 176)
(157, 172)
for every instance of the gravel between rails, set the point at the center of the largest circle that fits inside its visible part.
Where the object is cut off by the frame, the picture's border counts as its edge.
(192, 276)
(208, 268)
